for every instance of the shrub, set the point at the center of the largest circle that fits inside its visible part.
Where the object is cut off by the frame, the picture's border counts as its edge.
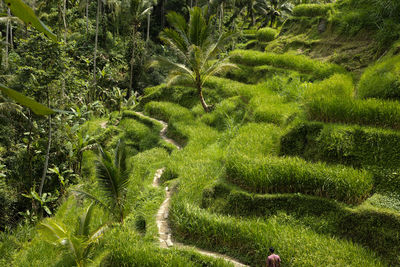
(266, 34)
(381, 80)
(303, 64)
(249, 240)
(351, 145)
(311, 10)
(293, 175)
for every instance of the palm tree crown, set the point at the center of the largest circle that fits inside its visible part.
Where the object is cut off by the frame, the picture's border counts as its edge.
(195, 46)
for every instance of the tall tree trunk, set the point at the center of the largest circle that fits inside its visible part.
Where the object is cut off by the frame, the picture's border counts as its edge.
(162, 14)
(221, 17)
(148, 27)
(129, 93)
(7, 39)
(64, 13)
(46, 161)
(87, 16)
(95, 48)
(11, 34)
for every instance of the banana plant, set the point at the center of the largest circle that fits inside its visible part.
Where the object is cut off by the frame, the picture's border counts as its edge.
(78, 243)
(44, 200)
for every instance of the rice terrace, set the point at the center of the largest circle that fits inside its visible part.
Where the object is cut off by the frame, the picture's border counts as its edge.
(200, 133)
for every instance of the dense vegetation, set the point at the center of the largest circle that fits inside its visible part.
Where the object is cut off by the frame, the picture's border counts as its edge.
(287, 112)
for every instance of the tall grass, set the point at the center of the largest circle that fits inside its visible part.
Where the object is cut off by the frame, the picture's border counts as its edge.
(350, 145)
(312, 10)
(166, 111)
(125, 249)
(372, 112)
(381, 80)
(255, 139)
(249, 240)
(303, 64)
(321, 215)
(293, 175)
(266, 34)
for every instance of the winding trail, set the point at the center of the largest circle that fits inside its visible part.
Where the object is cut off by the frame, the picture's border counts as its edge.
(164, 231)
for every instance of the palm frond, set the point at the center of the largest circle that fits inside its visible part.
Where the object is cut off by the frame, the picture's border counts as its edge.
(87, 195)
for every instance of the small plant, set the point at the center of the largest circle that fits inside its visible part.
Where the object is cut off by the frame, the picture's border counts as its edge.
(78, 243)
(112, 179)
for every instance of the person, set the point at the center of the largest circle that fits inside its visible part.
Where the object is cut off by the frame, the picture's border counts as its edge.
(273, 259)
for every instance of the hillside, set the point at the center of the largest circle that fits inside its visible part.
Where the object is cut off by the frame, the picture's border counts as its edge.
(300, 152)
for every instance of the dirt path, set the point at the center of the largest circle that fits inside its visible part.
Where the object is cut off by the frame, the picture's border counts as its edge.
(164, 231)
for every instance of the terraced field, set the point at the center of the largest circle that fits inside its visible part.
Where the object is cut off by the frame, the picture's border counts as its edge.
(270, 167)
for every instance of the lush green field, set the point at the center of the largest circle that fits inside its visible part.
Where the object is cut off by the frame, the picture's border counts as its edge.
(296, 153)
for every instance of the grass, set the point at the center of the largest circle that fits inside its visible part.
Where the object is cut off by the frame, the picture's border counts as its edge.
(374, 228)
(138, 135)
(166, 111)
(312, 10)
(266, 34)
(299, 63)
(343, 144)
(371, 112)
(381, 80)
(293, 175)
(249, 240)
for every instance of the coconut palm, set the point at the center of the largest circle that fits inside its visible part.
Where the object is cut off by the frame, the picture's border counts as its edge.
(274, 9)
(112, 179)
(78, 243)
(196, 48)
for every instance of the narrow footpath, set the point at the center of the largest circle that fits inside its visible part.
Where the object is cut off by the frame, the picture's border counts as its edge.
(164, 231)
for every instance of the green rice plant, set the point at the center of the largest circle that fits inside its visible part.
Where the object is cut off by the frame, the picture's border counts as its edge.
(253, 75)
(266, 34)
(138, 135)
(276, 113)
(321, 215)
(293, 175)
(185, 96)
(303, 64)
(338, 85)
(312, 10)
(255, 139)
(350, 145)
(167, 110)
(249, 239)
(124, 248)
(372, 112)
(381, 80)
(129, 114)
(227, 112)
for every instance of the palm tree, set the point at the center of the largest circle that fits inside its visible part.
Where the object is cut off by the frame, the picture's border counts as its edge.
(140, 9)
(78, 243)
(112, 180)
(195, 46)
(274, 9)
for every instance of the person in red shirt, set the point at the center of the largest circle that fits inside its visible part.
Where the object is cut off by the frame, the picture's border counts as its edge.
(273, 259)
